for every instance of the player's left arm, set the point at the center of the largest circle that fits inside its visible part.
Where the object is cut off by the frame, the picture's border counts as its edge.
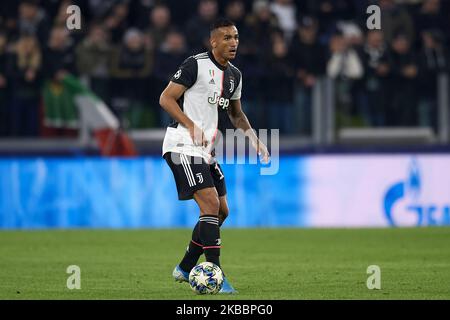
(240, 121)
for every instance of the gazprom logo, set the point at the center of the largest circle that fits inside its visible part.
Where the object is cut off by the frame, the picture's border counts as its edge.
(406, 195)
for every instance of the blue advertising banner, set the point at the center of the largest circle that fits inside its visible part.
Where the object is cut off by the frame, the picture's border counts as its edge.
(309, 191)
(136, 193)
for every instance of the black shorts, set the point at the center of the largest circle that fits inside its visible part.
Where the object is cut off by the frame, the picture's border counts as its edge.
(193, 173)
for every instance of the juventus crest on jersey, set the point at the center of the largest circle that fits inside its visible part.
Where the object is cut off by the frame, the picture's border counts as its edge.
(210, 87)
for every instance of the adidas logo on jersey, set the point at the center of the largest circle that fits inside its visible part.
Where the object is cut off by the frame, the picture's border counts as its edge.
(212, 81)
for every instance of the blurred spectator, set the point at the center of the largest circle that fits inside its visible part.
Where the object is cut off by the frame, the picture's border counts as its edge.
(395, 19)
(59, 55)
(61, 117)
(285, 11)
(346, 68)
(116, 22)
(180, 10)
(4, 79)
(8, 17)
(168, 58)
(403, 109)
(197, 28)
(235, 11)
(131, 59)
(278, 86)
(140, 12)
(351, 32)
(171, 54)
(33, 20)
(328, 12)
(132, 63)
(51, 7)
(24, 76)
(258, 25)
(344, 61)
(431, 16)
(353, 89)
(93, 60)
(376, 79)
(307, 57)
(376, 72)
(159, 24)
(433, 61)
(99, 9)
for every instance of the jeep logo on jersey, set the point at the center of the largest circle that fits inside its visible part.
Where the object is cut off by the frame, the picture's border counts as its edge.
(221, 101)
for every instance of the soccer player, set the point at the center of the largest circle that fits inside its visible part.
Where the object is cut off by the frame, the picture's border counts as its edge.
(204, 86)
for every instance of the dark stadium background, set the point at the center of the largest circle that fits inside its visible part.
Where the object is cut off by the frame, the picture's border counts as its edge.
(364, 123)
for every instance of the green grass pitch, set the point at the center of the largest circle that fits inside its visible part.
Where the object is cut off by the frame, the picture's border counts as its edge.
(260, 263)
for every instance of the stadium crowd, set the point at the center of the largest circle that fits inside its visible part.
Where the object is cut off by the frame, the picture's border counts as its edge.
(127, 50)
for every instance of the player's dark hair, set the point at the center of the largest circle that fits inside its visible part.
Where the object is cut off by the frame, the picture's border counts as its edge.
(221, 22)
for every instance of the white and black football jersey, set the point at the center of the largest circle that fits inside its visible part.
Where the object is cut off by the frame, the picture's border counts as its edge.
(210, 87)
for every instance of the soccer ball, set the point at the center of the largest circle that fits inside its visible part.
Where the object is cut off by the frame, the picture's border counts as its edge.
(206, 278)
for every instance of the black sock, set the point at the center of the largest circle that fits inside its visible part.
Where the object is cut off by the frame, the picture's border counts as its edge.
(193, 252)
(210, 238)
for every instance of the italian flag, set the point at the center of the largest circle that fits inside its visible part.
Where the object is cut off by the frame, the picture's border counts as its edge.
(70, 104)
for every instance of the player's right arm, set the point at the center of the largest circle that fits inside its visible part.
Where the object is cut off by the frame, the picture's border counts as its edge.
(168, 101)
(183, 79)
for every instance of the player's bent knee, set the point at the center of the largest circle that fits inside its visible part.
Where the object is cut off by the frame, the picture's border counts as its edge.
(222, 218)
(223, 214)
(223, 210)
(212, 205)
(209, 204)
(208, 201)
